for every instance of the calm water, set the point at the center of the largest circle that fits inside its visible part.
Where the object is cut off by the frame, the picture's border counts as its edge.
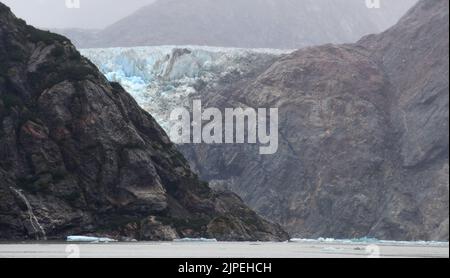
(297, 249)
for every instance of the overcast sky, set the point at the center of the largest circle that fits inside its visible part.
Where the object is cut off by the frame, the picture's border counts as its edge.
(92, 14)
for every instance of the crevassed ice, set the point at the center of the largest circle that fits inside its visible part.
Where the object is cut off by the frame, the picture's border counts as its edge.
(162, 78)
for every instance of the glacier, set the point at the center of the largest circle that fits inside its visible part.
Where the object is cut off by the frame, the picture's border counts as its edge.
(162, 78)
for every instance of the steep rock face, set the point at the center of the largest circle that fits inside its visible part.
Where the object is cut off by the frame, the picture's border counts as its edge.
(363, 135)
(413, 54)
(78, 155)
(286, 24)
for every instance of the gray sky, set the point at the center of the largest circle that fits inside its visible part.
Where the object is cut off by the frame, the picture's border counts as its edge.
(92, 14)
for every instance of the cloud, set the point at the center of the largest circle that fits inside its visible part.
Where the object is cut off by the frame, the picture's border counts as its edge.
(92, 14)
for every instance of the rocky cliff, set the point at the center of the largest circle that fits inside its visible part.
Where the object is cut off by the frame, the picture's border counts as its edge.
(78, 155)
(363, 135)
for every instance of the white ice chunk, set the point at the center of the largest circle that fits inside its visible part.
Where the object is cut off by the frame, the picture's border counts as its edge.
(196, 240)
(89, 239)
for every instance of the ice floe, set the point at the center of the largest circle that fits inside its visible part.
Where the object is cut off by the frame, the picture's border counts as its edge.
(89, 239)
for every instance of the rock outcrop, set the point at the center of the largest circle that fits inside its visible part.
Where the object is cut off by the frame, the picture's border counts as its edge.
(363, 135)
(78, 155)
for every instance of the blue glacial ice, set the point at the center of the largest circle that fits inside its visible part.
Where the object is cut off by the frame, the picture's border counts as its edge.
(162, 78)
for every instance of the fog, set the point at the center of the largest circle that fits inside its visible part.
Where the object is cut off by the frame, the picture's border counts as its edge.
(285, 24)
(91, 14)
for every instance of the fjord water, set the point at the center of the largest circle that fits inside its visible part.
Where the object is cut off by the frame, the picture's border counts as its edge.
(321, 248)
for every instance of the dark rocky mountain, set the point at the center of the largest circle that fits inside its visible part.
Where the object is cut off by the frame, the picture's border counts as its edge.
(287, 24)
(364, 135)
(78, 155)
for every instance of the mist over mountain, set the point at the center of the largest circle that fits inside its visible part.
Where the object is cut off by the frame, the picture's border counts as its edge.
(287, 24)
(91, 14)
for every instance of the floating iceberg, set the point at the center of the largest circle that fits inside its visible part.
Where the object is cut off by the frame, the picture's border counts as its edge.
(89, 239)
(162, 78)
(195, 240)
